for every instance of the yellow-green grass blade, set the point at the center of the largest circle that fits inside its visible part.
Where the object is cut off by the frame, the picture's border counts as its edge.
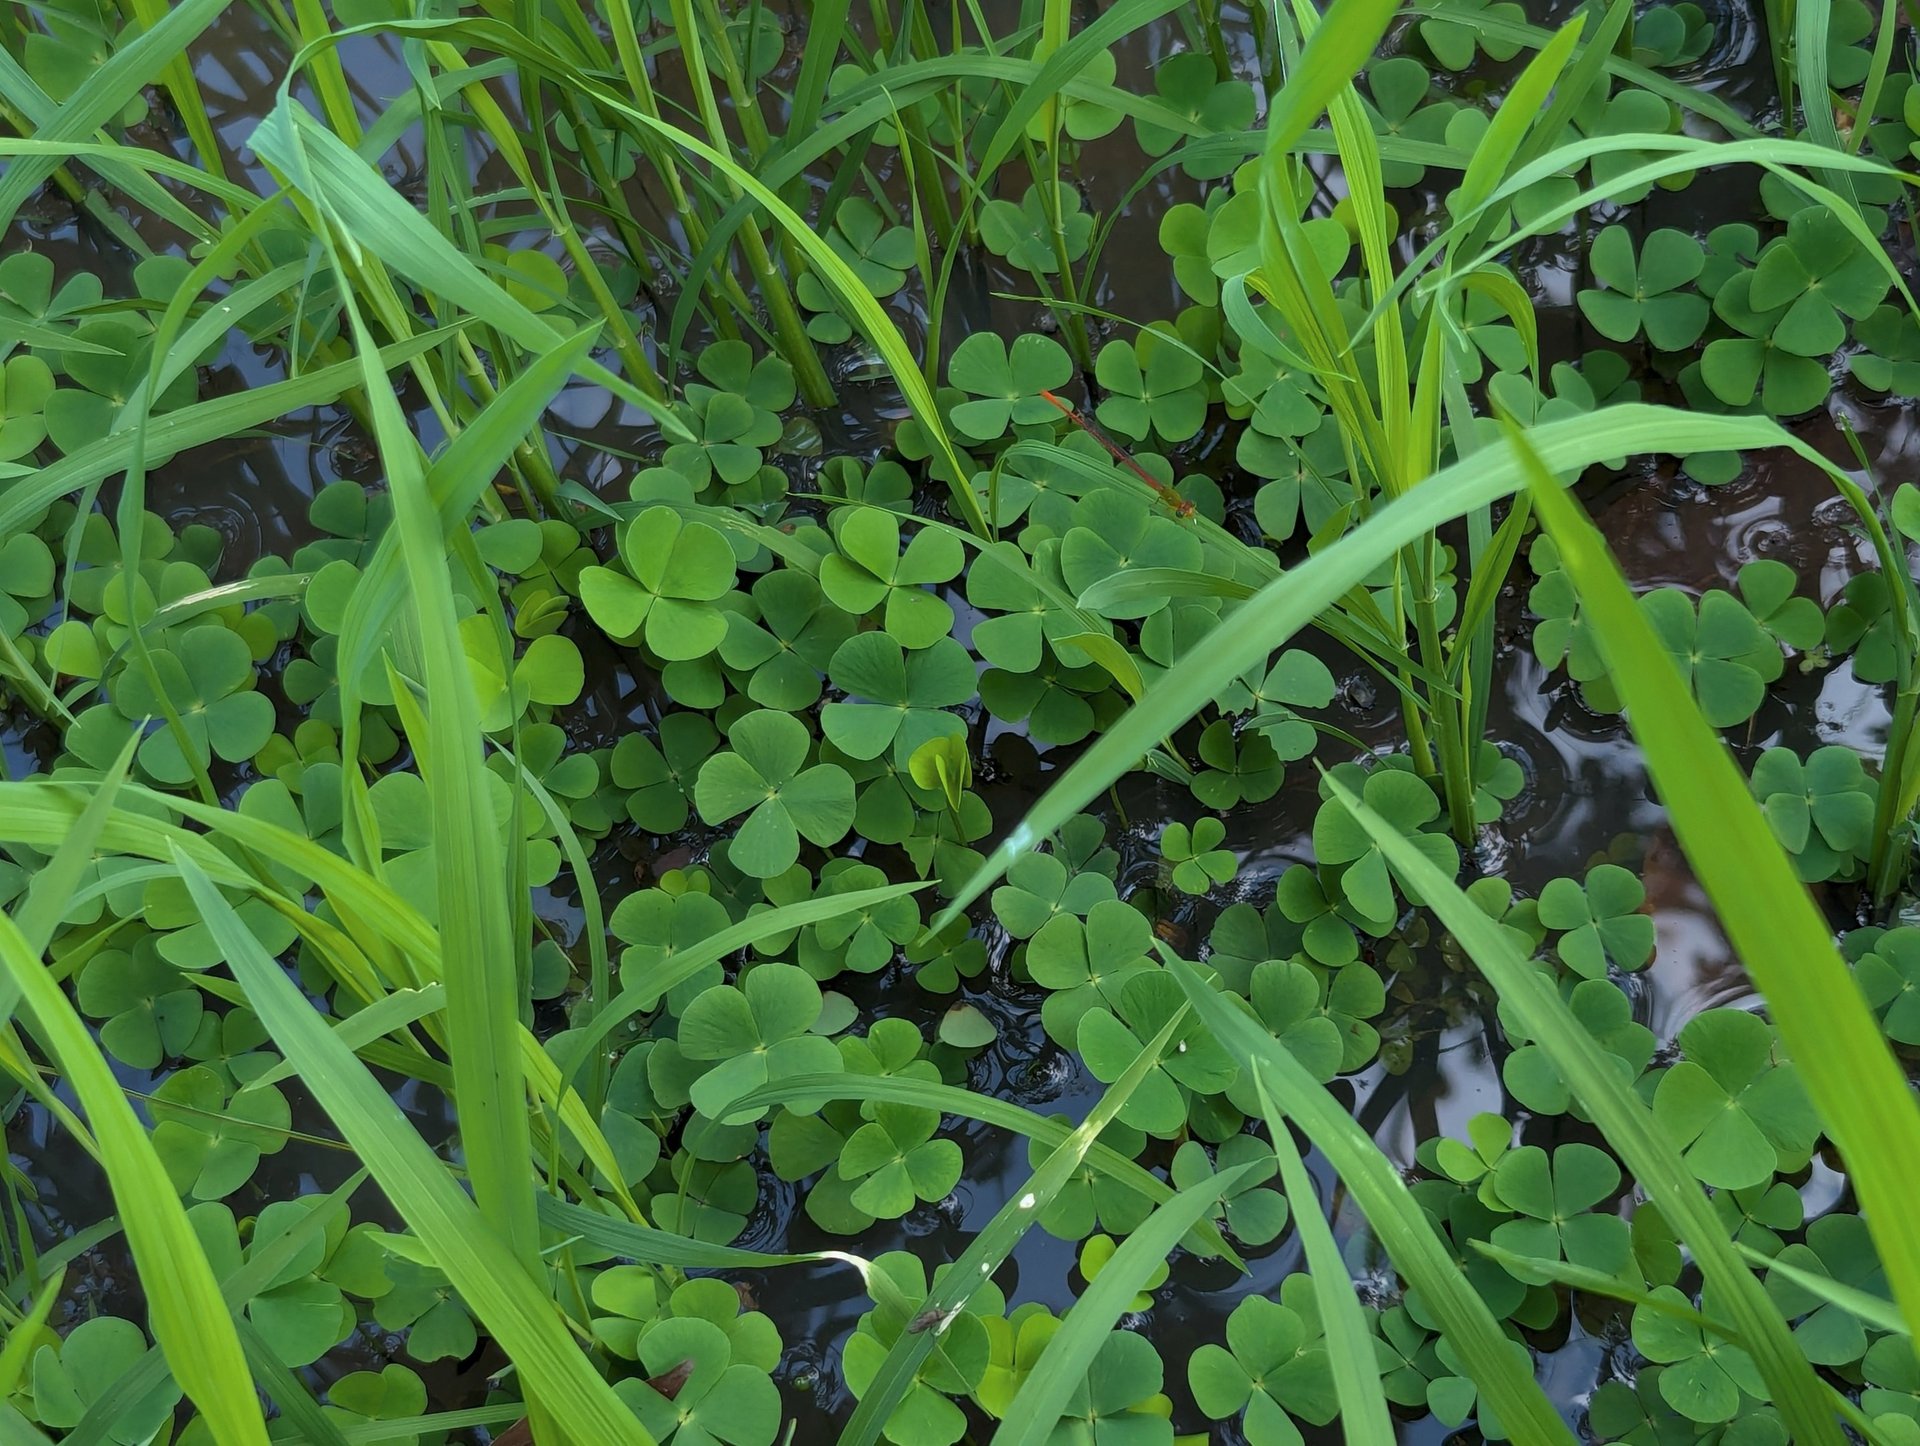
(188, 1317)
(1859, 1090)
(24, 1336)
(1062, 1368)
(1364, 1418)
(477, 1260)
(194, 425)
(989, 1250)
(1399, 1224)
(1002, 1114)
(1293, 600)
(478, 964)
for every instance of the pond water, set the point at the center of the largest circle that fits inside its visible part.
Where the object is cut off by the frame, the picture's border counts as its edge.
(1586, 794)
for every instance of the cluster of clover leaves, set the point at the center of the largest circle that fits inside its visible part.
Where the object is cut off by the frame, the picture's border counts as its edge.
(824, 662)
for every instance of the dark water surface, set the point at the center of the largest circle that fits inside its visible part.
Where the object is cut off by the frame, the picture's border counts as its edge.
(1586, 792)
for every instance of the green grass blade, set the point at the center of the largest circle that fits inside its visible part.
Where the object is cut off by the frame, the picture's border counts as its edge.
(478, 1261)
(989, 1250)
(1280, 609)
(1364, 1418)
(1857, 1087)
(189, 1319)
(1398, 1222)
(1036, 1408)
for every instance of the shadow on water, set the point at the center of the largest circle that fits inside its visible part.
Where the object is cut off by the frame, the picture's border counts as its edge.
(1586, 795)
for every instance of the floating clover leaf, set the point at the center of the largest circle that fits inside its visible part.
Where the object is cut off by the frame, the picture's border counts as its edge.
(791, 645)
(1737, 1112)
(1096, 1254)
(423, 1303)
(1110, 1042)
(393, 1393)
(764, 777)
(1603, 922)
(720, 1400)
(870, 569)
(1604, 1012)
(1408, 804)
(1155, 385)
(897, 1161)
(1821, 810)
(862, 940)
(1778, 363)
(26, 383)
(1669, 36)
(1497, 781)
(924, 1417)
(1705, 1379)
(1191, 87)
(1838, 1248)
(1768, 588)
(1645, 294)
(904, 696)
(1094, 1199)
(879, 254)
(1489, 1139)
(656, 925)
(1889, 975)
(1244, 769)
(757, 1032)
(1087, 964)
(1400, 86)
(1198, 861)
(1006, 381)
(1113, 531)
(1817, 272)
(550, 672)
(1275, 1364)
(1040, 887)
(1555, 1194)
(1024, 233)
(661, 778)
(1349, 997)
(1285, 996)
(1723, 653)
(1890, 361)
(677, 570)
(206, 674)
(1254, 1215)
(93, 1357)
(1304, 896)
(1862, 623)
(1119, 1401)
(152, 1012)
(735, 417)
(210, 1138)
(1453, 36)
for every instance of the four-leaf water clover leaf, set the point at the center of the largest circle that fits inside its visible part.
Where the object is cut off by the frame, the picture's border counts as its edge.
(1112, 532)
(211, 1138)
(1472, 1162)
(789, 648)
(676, 571)
(1838, 1248)
(1821, 809)
(1767, 586)
(897, 1161)
(206, 674)
(1706, 1378)
(924, 1417)
(1400, 87)
(1889, 975)
(735, 416)
(902, 697)
(1190, 86)
(756, 1032)
(1274, 1364)
(152, 1011)
(1405, 802)
(1726, 657)
(1534, 1080)
(1305, 897)
(1645, 294)
(1085, 965)
(1040, 887)
(1555, 1195)
(1025, 234)
(1453, 36)
(1737, 1112)
(660, 777)
(1818, 272)
(1603, 921)
(870, 569)
(1781, 366)
(764, 776)
(878, 254)
(1006, 382)
(720, 1401)
(1118, 1402)
(1285, 998)
(95, 1355)
(1156, 384)
(26, 383)
(1239, 769)
(1198, 862)
(1110, 1042)
(1254, 1215)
